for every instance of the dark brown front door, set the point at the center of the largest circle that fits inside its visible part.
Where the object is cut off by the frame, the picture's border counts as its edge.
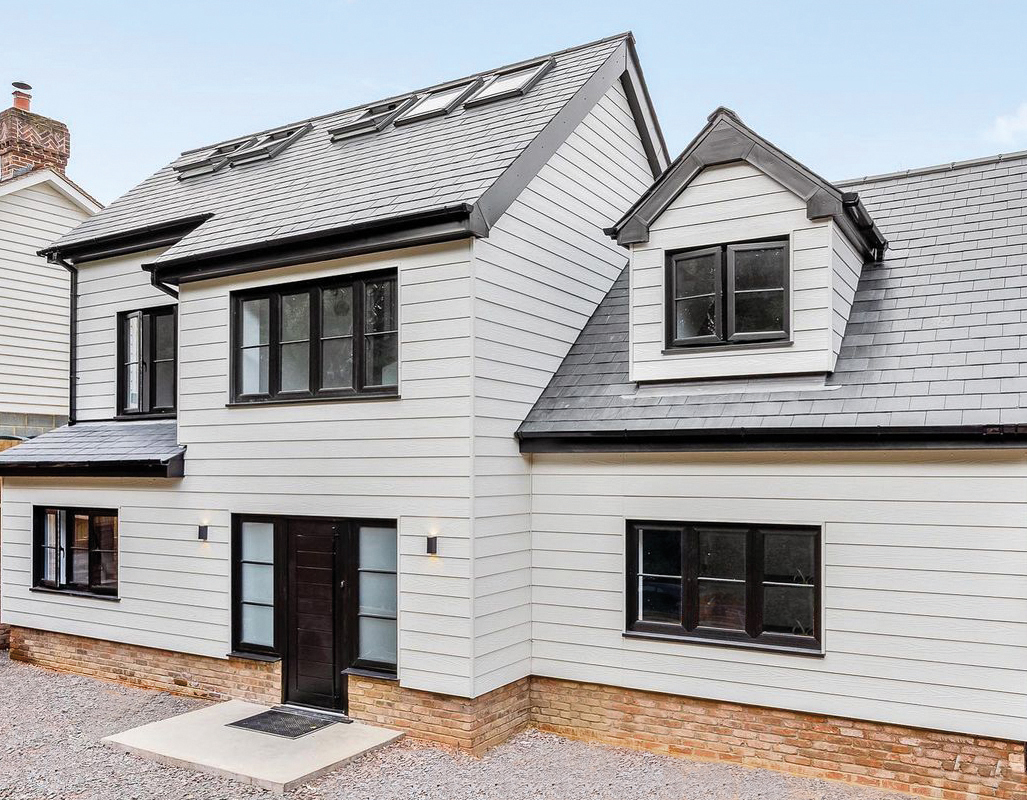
(313, 636)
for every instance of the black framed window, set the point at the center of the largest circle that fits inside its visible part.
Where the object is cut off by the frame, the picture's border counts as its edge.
(742, 583)
(256, 585)
(147, 363)
(730, 293)
(328, 339)
(76, 549)
(377, 606)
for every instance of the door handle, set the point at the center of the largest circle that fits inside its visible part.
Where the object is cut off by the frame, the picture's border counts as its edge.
(342, 584)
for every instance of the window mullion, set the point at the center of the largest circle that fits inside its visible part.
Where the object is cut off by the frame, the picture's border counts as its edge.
(690, 569)
(274, 338)
(754, 583)
(314, 338)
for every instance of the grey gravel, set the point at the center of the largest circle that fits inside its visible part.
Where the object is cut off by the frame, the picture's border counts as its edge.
(51, 725)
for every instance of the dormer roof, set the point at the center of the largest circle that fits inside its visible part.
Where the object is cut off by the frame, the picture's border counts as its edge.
(726, 139)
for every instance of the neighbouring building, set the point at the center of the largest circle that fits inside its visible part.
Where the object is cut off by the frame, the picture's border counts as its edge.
(468, 410)
(38, 203)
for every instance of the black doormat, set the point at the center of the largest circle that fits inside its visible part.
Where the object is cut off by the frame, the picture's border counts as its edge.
(287, 724)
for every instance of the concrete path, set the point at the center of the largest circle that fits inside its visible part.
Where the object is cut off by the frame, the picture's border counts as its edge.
(201, 740)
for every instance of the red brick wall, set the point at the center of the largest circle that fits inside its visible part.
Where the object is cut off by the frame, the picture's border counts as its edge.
(928, 763)
(473, 725)
(193, 676)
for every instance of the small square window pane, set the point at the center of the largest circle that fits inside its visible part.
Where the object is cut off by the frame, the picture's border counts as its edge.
(131, 382)
(758, 312)
(337, 363)
(378, 548)
(258, 542)
(295, 317)
(80, 567)
(50, 529)
(788, 609)
(377, 593)
(436, 101)
(380, 306)
(661, 552)
(258, 583)
(81, 531)
(722, 604)
(256, 321)
(133, 339)
(50, 564)
(788, 557)
(381, 361)
(109, 570)
(696, 316)
(164, 335)
(296, 367)
(661, 600)
(722, 554)
(258, 625)
(506, 83)
(760, 269)
(255, 370)
(695, 275)
(165, 384)
(377, 640)
(337, 312)
(105, 529)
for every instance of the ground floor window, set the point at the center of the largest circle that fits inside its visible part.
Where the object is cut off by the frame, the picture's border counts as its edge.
(323, 589)
(76, 549)
(748, 583)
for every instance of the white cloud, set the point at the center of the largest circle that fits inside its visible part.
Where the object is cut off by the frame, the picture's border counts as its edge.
(1008, 129)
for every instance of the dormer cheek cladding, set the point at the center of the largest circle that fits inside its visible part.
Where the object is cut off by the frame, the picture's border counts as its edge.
(738, 203)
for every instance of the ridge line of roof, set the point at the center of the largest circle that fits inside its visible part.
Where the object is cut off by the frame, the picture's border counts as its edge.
(934, 168)
(624, 35)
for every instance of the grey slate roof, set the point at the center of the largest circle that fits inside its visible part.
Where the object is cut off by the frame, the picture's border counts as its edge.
(937, 334)
(149, 446)
(316, 185)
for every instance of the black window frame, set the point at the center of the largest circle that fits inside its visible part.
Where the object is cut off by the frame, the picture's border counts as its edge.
(314, 391)
(725, 334)
(147, 369)
(65, 583)
(348, 600)
(689, 629)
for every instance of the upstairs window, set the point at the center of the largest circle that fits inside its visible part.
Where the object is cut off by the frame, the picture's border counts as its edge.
(146, 359)
(438, 103)
(337, 338)
(742, 583)
(76, 550)
(728, 294)
(370, 120)
(511, 83)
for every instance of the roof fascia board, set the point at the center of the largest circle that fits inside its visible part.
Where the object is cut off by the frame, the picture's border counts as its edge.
(723, 140)
(642, 108)
(173, 467)
(440, 225)
(134, 241)
(494, 202)
(60, 183)
(804, 439)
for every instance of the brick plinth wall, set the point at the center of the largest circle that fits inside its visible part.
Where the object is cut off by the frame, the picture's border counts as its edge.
(891, 757)
(472, 725)
(164, 670)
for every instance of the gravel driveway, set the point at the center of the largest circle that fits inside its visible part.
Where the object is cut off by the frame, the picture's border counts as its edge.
(51, 726)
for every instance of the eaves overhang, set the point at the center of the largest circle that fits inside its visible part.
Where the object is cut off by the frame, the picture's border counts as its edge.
(765, 439)
(726, 139)
(136, 240)
(171, 467)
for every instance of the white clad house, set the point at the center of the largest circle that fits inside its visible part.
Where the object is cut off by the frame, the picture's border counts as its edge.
(467, 410)
(38, 203)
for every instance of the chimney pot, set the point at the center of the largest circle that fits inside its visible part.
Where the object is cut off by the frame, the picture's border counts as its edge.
(22, 100)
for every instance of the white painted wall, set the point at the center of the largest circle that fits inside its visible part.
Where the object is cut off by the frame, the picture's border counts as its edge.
(925, 580)
(34, 301)
(537, 278)
(734, 202)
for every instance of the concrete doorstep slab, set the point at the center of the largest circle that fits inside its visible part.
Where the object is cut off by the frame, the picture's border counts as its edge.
(200, 740)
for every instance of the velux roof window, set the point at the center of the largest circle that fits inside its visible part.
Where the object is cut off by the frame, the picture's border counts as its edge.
(438, 103)
(371, 120)
(512, 83)
(241, 151)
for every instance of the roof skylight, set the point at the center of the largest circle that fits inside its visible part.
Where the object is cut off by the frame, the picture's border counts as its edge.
(512, 83)
(240, 151)
(371, 119)
(438, 103)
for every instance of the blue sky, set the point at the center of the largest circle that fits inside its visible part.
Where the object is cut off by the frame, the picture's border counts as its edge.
(848, 88)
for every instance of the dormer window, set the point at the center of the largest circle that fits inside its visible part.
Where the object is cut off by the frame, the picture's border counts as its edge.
(728, 294)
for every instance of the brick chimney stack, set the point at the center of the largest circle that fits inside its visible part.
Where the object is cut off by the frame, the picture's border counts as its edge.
(30, 141)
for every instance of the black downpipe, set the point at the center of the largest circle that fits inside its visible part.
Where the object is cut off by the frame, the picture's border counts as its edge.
(72, 336)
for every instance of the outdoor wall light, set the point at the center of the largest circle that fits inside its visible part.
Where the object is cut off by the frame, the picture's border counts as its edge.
(201, 533)
(433, 545)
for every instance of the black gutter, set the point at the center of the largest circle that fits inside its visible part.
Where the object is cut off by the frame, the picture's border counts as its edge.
(749, 439)
(149, 237)
(425, 227)
(173, 467)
